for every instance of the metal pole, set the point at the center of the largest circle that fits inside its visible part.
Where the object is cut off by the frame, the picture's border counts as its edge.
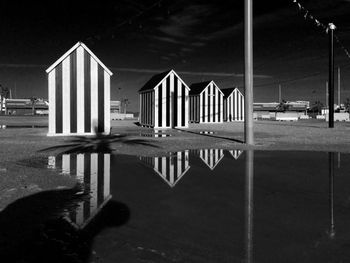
(248, 71)
(339, 87)
(331, 28)
(331, 194)
(279, 93)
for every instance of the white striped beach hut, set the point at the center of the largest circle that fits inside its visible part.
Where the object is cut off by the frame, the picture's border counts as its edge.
(164, 101)
(233, 105)
(206, 103)
(93, 171)
(211, 157)
(170, 168)
(79, 94)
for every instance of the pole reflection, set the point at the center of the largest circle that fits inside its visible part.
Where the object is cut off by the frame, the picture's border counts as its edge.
(249, 205)
(331, 194)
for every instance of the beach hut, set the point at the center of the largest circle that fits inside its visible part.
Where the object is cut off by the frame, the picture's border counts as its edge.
(79, 94)
(92, 170)
(164, 101)
(211, 157)
(206, 103)
(233, 105)
(170, 168)
(235, 153)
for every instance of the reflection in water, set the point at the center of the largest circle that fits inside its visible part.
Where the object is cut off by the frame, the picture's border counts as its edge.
(249, 205)
(331, 194)
(170, 168)
(211, 157)
(236, 153)
(92, 170)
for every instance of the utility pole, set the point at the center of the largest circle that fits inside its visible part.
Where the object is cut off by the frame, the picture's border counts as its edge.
(248, 71)
(279, 93)
(326, 94)
(339, 87)
(331, 28)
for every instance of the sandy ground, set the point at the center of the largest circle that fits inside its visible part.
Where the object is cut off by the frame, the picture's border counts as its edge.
(23, 165)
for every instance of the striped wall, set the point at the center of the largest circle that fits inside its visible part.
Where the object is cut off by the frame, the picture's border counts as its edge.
(166, 106)
(211, 157)
(79, 95)
(170, 168)
(234, 106)
(207, 107)
(93, 171)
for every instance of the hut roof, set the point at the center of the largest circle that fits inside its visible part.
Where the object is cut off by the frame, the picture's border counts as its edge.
(227, 92)
(197, 88)
(74, 48)
(154, 81)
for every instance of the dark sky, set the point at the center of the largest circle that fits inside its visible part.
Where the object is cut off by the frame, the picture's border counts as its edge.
(201, 40)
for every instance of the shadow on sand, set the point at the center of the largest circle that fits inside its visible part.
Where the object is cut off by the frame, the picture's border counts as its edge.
(210, 135)
(35, 228)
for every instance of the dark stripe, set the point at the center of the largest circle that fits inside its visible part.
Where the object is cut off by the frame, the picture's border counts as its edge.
(241, 116)
(203, 107)
(101, 99)
(219, 106)
(233, 106)
(100, 179)
(152, 117)
(167, 170)
(87, 92)
(175, 96)
(87, 180)
(59, 112)
(73, 92)
(168, 101)
(160, 105)
(183, 104)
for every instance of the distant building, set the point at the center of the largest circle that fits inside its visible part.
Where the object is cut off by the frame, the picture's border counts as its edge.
(233, 104)
(206, 103)
(79, 94)
(115, 106)
(164, 101)
(25, 107)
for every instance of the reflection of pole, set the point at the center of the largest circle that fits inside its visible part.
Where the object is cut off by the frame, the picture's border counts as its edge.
(248, 71)
(339, 87)
(279, 93)
(249, 205)
(331, 29)
(326, 93)
(331, 193)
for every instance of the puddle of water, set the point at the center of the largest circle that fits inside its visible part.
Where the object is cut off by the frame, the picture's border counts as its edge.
(215, 205)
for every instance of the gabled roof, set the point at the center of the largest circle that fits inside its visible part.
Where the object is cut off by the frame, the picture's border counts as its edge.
(227, 92)
(74, 48)
(154, 81)
(198, 88)
(157, 79)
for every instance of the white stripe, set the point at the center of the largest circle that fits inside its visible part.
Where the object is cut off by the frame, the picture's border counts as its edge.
(141, 113)
(52, 102)
(107, 102)
(66, 164)
(156, 107)
(206, 104)
(93, 182)
(180, 107)
(171, 172)
(186, 107)
(163, 104)
(179, 164)
(156, 165)
(66, 95)
(94, 94)
(239, 107)
(51, 162)
(106, 175)
(243, 108)
(217, 110)
(80, 168)
(212, 92)
(171, 100)
(164, 167)
(80, 91)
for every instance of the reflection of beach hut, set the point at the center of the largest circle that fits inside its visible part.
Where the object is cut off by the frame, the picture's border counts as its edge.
(211, 157)
(236, 153)
(233, 105)
(164, 101)
(206, 103)
(170, 168)
(93, 171)
(79, 93)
